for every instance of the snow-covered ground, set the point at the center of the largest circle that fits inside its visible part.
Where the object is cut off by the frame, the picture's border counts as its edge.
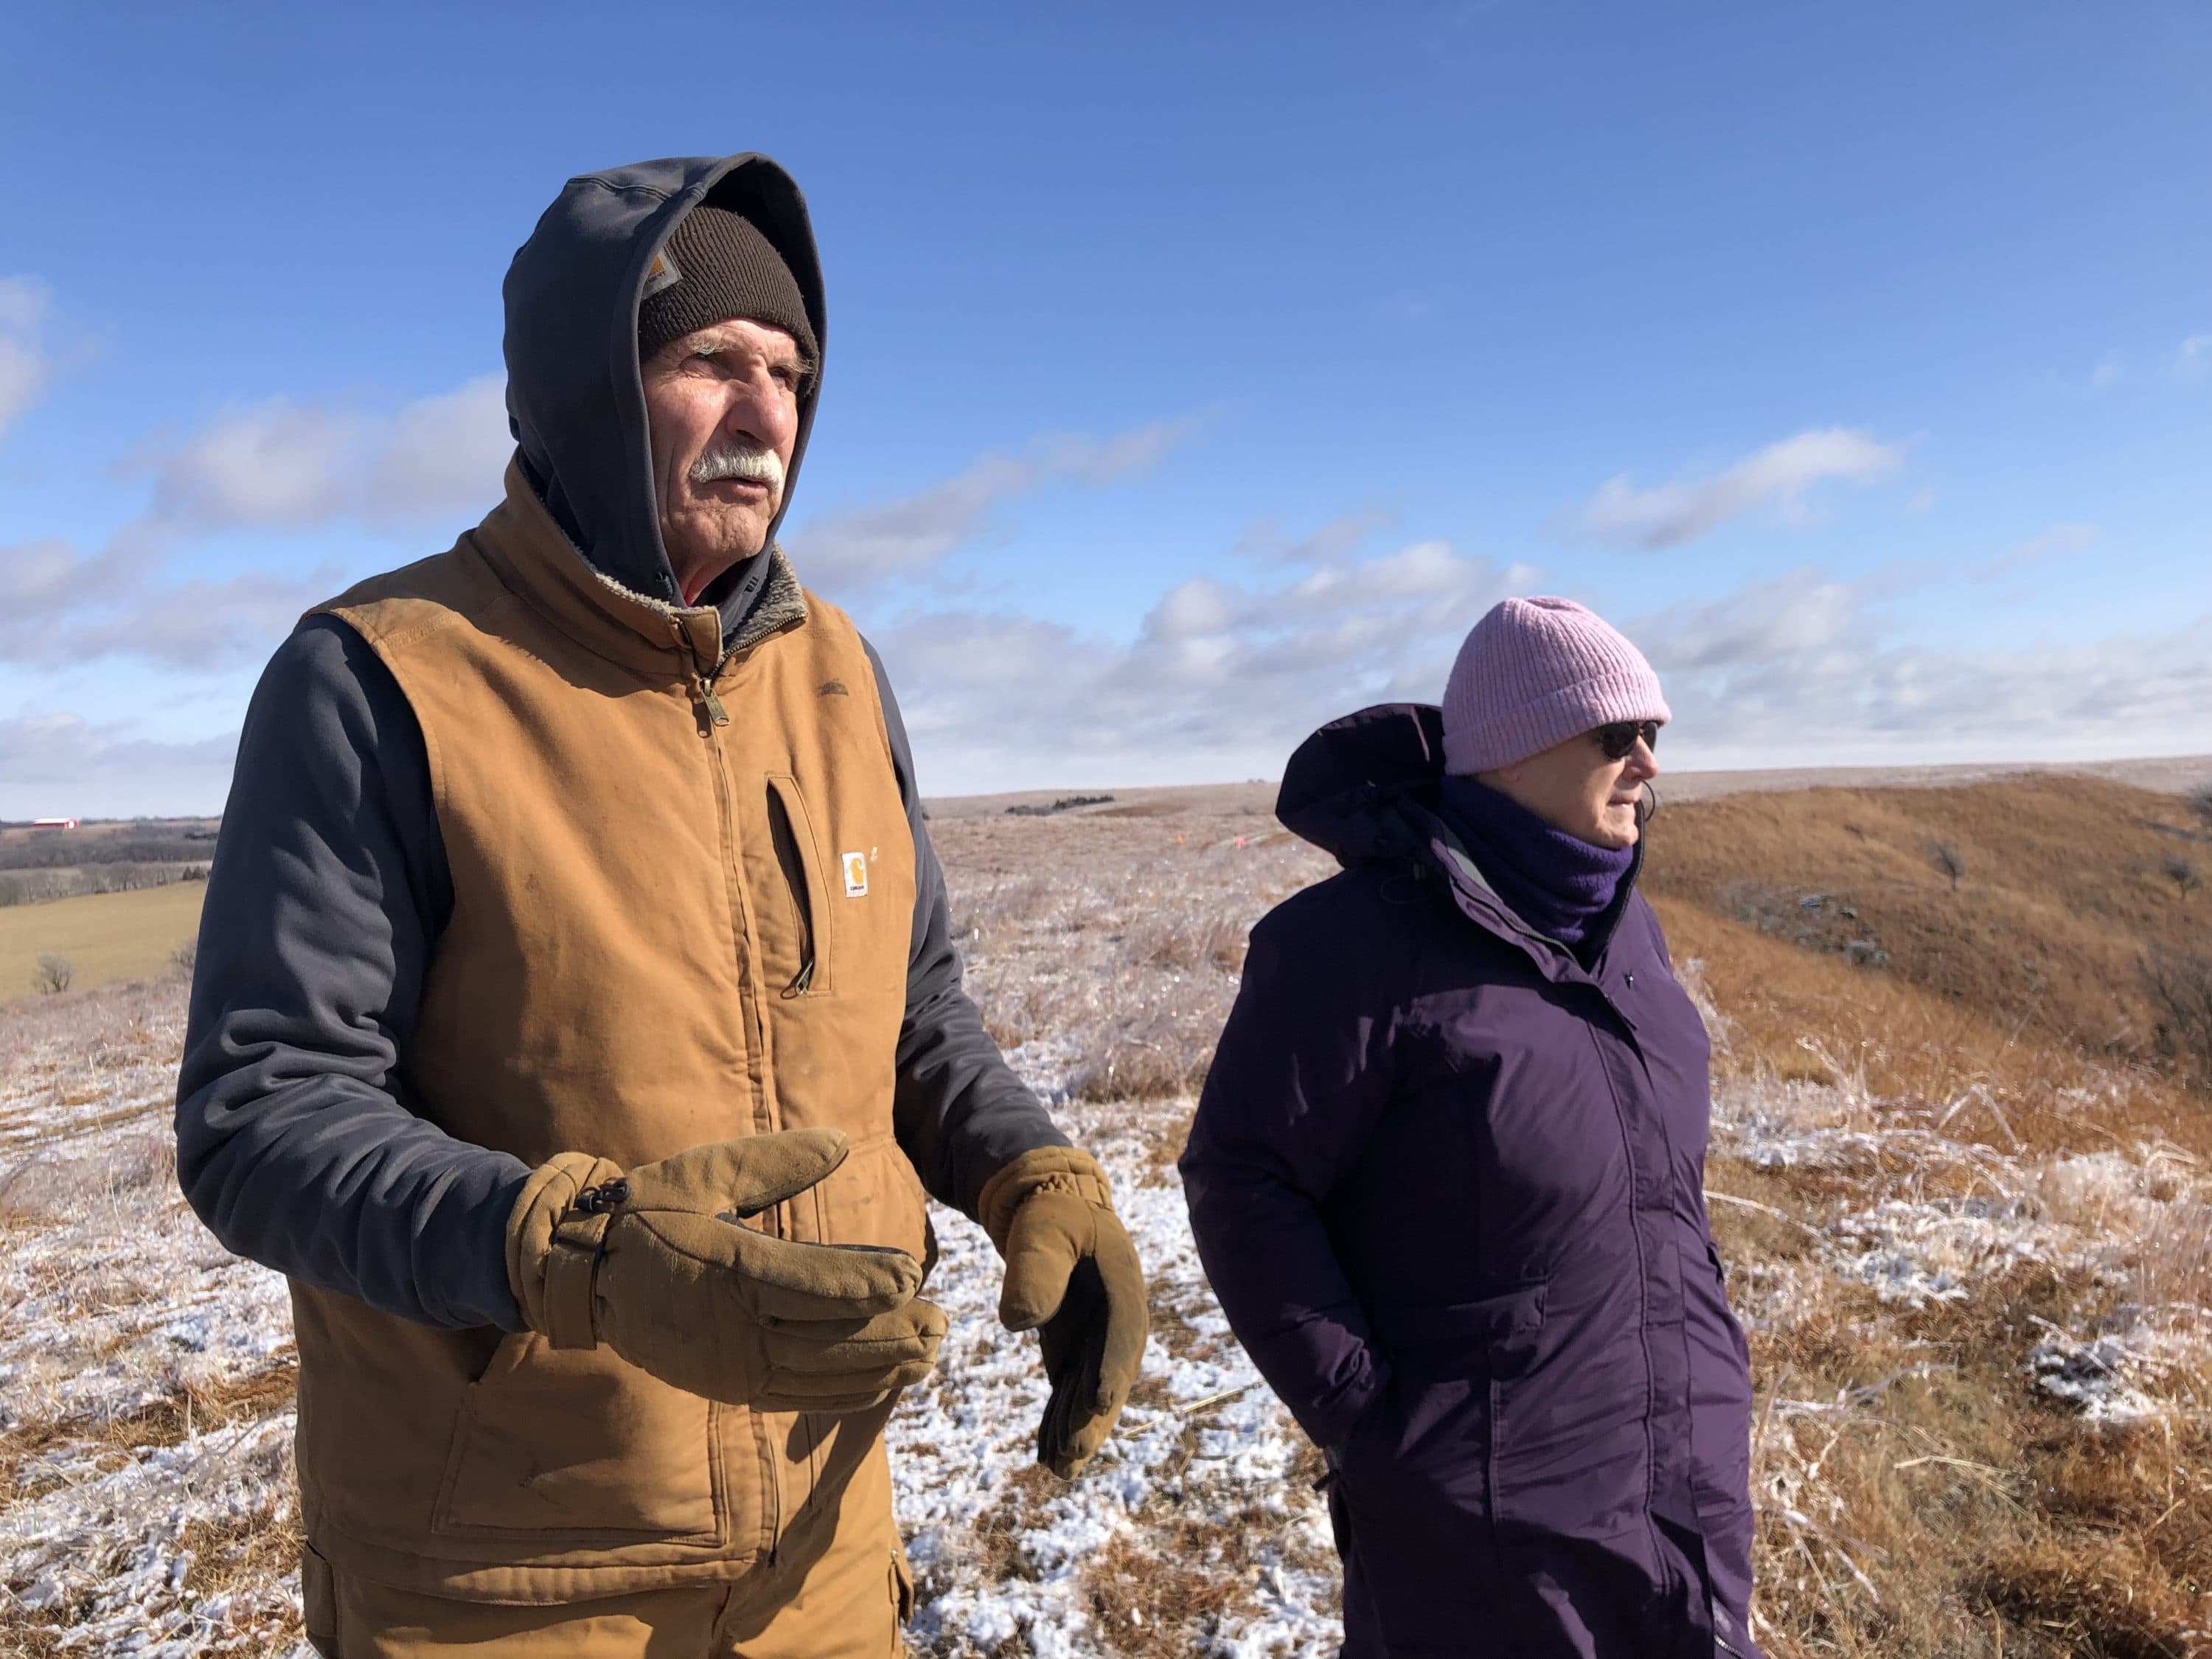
(1001, 1551)
(145, 1426)
(146, 1498)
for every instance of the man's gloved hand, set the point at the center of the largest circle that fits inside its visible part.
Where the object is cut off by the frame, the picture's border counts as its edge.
(653, 1264)
(1071, 1271)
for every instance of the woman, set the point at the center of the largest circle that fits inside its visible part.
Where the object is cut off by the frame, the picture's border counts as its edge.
(1446, 1175)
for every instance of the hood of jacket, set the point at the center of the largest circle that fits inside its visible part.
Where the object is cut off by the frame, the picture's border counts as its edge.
(575, 399)
(1364, 789)
(1347, 788)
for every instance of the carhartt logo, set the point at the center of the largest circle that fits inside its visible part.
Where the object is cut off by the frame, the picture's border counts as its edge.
(660, 275)
(856, 875)
(832, 688)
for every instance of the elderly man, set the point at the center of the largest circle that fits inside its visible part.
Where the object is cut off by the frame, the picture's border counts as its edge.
(576, 1021)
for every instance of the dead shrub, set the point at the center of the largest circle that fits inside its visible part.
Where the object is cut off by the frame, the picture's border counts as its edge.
(245, 1554)
(2179, 983)
(2043, 942)
(2102, 1595)
(1157, 1060)
(1950, 863)
(1190, 942)
(49, 1184)
(1163, 1599)
(1004, 906)
(53, 975)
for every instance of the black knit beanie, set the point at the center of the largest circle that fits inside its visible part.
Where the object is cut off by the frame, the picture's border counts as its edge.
(716, 265)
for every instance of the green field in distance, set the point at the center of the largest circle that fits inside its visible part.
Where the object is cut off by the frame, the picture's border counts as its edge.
(105, 936)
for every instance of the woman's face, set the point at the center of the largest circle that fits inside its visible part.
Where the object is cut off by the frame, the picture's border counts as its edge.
(1573, 786)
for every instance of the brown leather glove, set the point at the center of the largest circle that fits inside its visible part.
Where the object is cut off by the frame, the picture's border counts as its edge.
(1071, 1274)
(653, 1264)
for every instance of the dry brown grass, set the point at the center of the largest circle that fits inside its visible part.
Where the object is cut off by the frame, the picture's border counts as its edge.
(2062, 891)
(105, 936)
(1922, 1497)
(1794, 1015)
(1114, 941)
(188, 1407)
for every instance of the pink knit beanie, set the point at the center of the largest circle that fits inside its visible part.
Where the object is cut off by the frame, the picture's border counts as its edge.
(1533, 672)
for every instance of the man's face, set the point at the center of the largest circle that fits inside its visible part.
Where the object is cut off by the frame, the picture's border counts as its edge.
(721, 403)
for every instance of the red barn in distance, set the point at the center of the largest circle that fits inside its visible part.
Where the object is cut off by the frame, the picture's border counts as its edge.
(53, 823)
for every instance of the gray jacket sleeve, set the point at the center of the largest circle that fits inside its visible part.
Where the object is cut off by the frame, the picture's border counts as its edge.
(962, 1114)
(328, 888)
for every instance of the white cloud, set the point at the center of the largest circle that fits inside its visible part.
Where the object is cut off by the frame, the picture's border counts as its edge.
(1221, 679)
(1224, 676)
(275, 463)
(24, 304)
(62, 763)
(2194, 359)
(1666, 515)
(285, 463)
(441, 455)
(59, 607)
(1804, 670)
(844, 552)
(1792, 615)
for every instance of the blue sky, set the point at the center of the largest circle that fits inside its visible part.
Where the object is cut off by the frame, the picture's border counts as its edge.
(1195, 375)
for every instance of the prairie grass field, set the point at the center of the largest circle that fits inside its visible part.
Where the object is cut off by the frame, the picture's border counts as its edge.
(105, 937)
(1965, 1208)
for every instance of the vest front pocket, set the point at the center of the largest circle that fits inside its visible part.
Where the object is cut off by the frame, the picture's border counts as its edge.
(798, 961)
(578, 1444)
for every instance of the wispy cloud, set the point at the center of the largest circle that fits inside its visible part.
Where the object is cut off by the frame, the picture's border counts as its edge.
(62, 763)
(2191, 359)
(1804, 669)
(279, 465)
(1790, 616)
(24, 302)
(1223, 678)
(1220, 679)
(58, 605)
(286, 463)
(856, 548)
(1778, 475)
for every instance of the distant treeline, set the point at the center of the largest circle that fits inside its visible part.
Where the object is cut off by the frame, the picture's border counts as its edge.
(1065, 803)
(58, 849)
(33, 886)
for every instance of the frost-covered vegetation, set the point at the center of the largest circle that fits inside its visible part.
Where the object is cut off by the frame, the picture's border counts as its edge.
(1975, 1269)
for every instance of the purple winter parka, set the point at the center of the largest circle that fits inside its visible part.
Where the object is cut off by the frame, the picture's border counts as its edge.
(1449, 1188)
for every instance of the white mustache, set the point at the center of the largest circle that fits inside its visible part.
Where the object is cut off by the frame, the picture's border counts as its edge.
(739, 460)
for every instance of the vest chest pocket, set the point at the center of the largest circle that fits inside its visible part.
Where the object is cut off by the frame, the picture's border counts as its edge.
(798, 954)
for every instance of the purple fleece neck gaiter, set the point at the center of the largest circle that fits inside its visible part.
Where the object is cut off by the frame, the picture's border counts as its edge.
(1558, 883)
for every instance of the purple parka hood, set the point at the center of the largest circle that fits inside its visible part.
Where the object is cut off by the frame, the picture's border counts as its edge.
(1364, 789)
(1448, 1185)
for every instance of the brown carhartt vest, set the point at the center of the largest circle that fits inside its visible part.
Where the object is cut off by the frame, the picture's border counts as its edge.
(682, 911)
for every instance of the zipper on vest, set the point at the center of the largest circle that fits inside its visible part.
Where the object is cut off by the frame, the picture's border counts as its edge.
(716, 715)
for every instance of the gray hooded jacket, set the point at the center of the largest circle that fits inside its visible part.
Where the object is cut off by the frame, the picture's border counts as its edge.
(330, 887)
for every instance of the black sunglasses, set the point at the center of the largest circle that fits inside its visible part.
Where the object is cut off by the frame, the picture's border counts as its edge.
(1620, 737)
